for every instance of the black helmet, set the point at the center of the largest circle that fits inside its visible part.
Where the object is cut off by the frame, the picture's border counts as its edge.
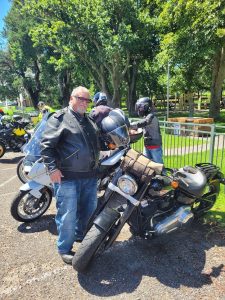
(114, 128)
(100, 98)
(143, 106)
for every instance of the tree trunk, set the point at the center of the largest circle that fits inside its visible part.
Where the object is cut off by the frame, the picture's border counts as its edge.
(131, 82)
(116, 96)
(32, 85)
(116, 81)
(34, 95)
(64, 80)
(181, 102)
(104, 85)
(190, 98)
(218, 75)
(199, 100)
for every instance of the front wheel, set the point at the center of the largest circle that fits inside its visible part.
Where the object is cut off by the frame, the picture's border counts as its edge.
(26, 208)
(93, 243)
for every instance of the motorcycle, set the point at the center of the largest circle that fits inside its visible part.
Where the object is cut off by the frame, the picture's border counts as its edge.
(151, 203)
(13, 135)
(35, 196)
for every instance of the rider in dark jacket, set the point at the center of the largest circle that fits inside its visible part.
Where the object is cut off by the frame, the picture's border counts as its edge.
(78, 157)
(101, 109)
(70, 150)
(152, 134)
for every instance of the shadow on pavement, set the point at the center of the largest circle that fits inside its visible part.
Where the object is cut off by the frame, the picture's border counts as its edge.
(174, 260)
(14, 160)
(46, 222)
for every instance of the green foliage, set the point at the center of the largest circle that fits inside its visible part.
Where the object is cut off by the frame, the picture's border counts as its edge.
(122, 47)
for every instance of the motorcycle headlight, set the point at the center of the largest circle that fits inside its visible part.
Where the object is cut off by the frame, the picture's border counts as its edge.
(127, 185)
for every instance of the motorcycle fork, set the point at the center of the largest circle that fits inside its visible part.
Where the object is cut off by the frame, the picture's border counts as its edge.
(104, 202)
(125, 216)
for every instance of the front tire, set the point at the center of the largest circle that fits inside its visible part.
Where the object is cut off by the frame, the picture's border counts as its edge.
(27, 208)
(88, 248)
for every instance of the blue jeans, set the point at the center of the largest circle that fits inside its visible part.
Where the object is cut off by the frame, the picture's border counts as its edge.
(154, 154)
(76, 200)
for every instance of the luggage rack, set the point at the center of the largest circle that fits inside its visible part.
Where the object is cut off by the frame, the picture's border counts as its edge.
(209, 169)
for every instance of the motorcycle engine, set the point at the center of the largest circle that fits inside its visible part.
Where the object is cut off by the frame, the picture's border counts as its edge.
(185, 199)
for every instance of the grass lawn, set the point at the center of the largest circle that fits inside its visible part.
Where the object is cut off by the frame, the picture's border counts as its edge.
(217, 213)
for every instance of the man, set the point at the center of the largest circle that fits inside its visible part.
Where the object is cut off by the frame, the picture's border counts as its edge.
(70, 150)
(150, 124)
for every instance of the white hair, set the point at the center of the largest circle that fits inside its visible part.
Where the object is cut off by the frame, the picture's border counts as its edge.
(79, 89)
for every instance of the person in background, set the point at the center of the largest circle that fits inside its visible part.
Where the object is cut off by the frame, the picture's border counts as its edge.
(70, 150)
(43, 108)
(101, 109)
(150, 124)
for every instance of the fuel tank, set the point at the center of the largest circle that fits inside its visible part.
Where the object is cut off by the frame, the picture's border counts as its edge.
(191, 180)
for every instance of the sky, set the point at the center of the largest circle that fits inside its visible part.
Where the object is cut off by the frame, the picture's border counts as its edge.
(4, 7)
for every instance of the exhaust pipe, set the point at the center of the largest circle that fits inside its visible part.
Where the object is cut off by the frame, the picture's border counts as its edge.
(175, 221)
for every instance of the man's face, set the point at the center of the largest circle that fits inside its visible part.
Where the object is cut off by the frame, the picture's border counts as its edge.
(80, 101)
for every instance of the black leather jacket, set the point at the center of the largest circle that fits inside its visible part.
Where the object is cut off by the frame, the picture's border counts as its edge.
(70, 144)
(151, 129)
(152, 133)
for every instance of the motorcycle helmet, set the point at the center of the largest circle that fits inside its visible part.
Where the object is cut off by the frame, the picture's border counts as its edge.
(114, 129)
(143, 106)
(40, 104)
(100, 98)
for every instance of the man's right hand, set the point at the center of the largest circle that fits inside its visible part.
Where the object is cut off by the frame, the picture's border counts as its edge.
(56, 176)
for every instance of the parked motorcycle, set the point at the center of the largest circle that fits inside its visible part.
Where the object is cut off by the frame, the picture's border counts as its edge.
(151, 204)
(13, 135)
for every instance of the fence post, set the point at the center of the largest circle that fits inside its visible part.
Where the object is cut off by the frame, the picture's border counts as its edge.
(212, 143)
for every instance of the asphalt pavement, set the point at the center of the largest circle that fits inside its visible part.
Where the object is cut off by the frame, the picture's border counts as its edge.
(185, 265)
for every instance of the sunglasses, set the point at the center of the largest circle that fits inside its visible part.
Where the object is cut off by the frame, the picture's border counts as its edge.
(82, 99)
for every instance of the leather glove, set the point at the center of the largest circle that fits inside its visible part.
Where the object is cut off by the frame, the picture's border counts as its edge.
(133, 126)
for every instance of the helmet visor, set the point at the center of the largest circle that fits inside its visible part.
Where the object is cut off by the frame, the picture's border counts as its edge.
(120, 136)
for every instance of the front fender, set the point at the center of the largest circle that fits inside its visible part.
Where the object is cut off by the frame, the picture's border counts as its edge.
(34, 188)
(107, 218)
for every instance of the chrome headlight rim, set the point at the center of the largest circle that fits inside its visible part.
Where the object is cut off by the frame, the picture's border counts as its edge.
(127, 184)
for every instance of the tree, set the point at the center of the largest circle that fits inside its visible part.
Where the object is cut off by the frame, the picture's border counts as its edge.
(105, 37)
(9, 86)
(194, 36)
